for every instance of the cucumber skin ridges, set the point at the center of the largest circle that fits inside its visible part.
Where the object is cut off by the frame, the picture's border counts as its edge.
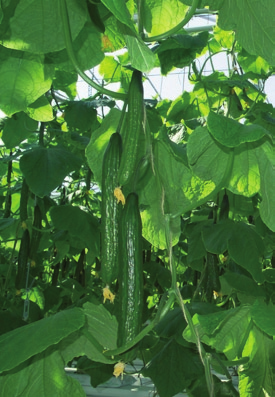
(130, 271)
(110, 210)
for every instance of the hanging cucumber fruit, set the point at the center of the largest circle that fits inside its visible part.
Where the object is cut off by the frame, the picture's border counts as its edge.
(110, 214)
(135, 126)
(23, 257)
(24, 203)
(135, 137)
(130, 271)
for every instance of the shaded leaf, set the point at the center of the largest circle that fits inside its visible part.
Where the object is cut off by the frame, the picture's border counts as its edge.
(99, 141)
(46, 168)
(24, 342)
(231, 133)
(180, 51)
(81, 115)
(18, 128)
(168, 363)
(264, 317)
(80, 225)
(246, 251)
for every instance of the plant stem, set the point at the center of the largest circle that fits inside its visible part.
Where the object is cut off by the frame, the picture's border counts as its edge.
(72, 57)
(205, 358)
(162, 310)
(180, 25)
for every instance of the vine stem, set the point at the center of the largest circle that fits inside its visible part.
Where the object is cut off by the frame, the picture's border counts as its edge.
(205, 357)
(72, 57)
(180, 25)
(163, 308)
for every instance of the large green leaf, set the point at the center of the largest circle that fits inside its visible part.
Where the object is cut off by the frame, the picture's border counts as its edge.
(245, 175)
(99, 333)
(208, 160)
(40, 110)
(173, 369)
(23, 79)
(142, 58)
(241, 15)
(121, 12)
(35, 25)
(102, 325)
(223, 331)
(246, 251)
(87, 50)
(42, 375)
(153, 218)
(18, 128)
(266, 159)
(243, 284)
(234, 168)
(81, 115)
(231, 133)
(161, 16)
(179, 51)
(264, 317)
(80, 225)
(99, 141)
(46, 168)
(24, 342)
(66, 82)
(173, 189)
(78, 344)
(257, 377)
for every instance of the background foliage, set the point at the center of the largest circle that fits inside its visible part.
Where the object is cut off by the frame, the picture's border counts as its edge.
(206, 196)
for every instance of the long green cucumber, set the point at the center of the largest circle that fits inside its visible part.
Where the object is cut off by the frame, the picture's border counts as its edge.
(134, 131)
(23, 256)
(36, 234)
(110, 210)
(24, 201)
(130, 272)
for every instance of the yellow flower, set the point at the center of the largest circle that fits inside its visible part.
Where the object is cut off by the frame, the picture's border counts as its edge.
(119, 195)
(119, 369)
(24, 225)
(107, 294)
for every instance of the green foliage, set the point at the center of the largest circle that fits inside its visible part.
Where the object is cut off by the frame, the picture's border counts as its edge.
(202, 168)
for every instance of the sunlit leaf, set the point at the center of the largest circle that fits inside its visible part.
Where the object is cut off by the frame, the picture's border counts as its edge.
(36, 25)
(23, 79)
(160, 16)
(40, 110)
(239, 15)
(42, 375)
